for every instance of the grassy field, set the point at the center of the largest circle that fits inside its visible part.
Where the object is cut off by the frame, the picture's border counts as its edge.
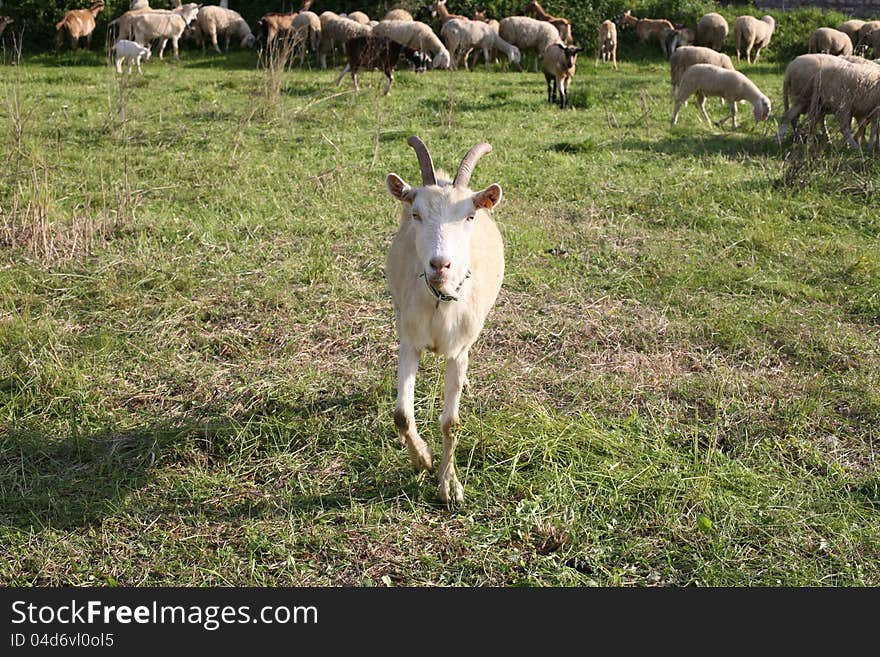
(680, 382)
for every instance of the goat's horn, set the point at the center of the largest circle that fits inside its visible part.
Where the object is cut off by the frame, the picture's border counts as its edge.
(463, 177)
(425, 162)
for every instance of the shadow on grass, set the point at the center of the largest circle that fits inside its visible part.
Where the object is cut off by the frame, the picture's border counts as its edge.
(73, 481)
(733, 144)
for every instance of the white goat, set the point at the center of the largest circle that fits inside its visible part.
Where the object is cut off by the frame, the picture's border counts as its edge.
(131, 52)
(444, 272)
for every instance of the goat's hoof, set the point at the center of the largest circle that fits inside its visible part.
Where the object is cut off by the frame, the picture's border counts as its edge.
(451, 490)
(420, 456)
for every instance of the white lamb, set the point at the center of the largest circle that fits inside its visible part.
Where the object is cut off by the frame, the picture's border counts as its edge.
(749, 32)
(529, 34)
(709, 80)
(444, 271)
(131, 52)
(462, 36)
(418, 36)
(217, 21)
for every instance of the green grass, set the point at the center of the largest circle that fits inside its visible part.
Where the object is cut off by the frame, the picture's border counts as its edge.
(680, 382)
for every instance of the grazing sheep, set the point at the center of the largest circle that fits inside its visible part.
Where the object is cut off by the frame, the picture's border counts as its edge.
(528, 34)
(797, 88)
(562, 25)
(869, 37)
(749, 32)
(131, 52)
(677, 38)
(647, 28)
(418, 36)
(76, 24)
(336, 31)
(444, 271)
(712, 31)
(846, 88)
(710, 80)
(4, 21)
(607, 49)
(170, 26)
(462, 36)
(398, 15)
(559, 68)
(371, 52)
(830, 41)
(359, 17)
(851, 29)
(686, 56)
(307, 32)
(215, 21)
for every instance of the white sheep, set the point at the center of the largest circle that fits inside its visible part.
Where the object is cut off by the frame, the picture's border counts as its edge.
(215, 21)
(444, 270)
(607, 48)
(170, 26)
(528, 34)
(712, 31)
(560, 62)
(359, 17)
(710, 80)
(125, 23)
(131, 52)
(749, 32)
(797, 88)
(398, 15)
(851, 29)
(418, 36)
(686, 56)
(869, 37)
(307, 27)
(847, 88)
(830, 41)
(335, 32)
(462, 36)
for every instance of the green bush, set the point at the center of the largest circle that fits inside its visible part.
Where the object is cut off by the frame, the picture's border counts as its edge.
(793, 28)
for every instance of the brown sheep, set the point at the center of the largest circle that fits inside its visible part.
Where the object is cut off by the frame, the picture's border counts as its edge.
(77, 23)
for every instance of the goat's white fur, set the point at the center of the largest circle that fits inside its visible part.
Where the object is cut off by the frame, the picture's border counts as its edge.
(445, 232)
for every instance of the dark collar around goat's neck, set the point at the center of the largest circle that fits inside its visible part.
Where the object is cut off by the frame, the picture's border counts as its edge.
(440, 296)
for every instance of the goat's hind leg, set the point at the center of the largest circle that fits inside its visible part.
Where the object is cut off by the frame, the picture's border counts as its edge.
(456, 374)
(404, 410)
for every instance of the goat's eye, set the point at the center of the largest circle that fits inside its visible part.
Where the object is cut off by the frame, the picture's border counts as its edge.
(470, 217)
(416, 216)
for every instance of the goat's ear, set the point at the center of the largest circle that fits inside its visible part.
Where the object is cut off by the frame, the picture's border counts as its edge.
(560, 46)
(398, 188)
(488, 198)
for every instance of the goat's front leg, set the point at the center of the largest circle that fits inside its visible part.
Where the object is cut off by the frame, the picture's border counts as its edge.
(404, 410)
(456, 374)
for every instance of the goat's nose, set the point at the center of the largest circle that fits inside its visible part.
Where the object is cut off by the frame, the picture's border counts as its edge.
(439, 264)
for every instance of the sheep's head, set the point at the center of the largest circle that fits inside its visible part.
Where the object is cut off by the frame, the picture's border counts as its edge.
(248, 40)
(762, 108)
(442, 216)
(441, 59)
(514, 55)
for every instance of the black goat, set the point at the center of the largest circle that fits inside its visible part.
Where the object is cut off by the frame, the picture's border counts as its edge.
(373, 52)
